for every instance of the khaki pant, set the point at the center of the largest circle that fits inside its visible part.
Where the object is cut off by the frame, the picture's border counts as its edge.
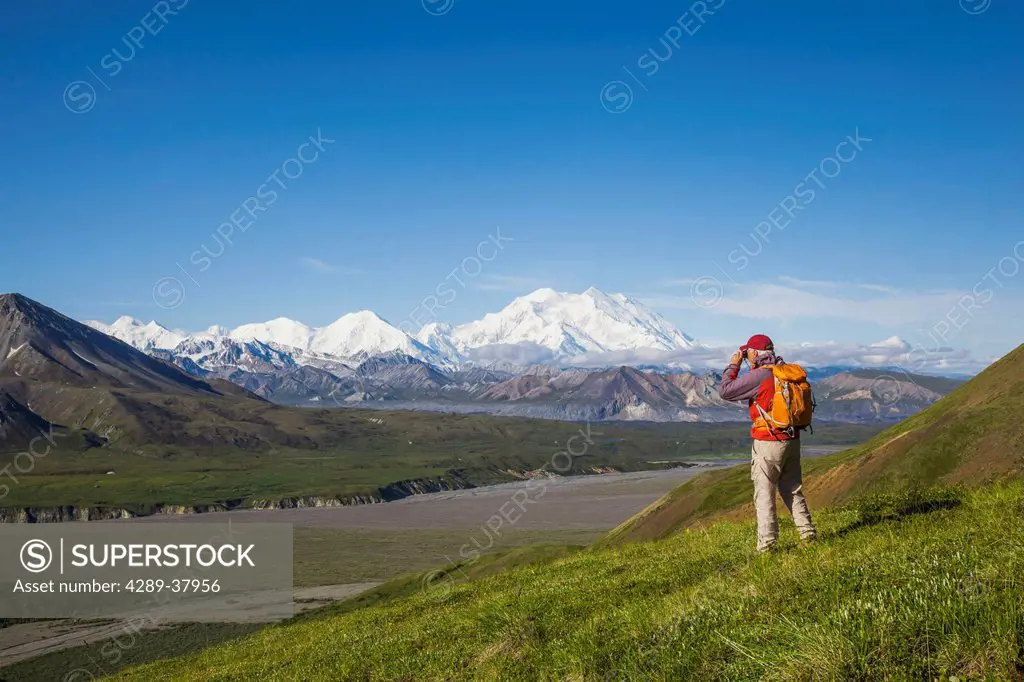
(775, 465)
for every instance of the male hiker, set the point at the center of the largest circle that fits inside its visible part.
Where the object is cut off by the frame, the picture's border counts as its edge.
(780, 405)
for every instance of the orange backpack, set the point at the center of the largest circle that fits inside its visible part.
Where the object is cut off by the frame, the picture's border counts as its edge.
(792, 404)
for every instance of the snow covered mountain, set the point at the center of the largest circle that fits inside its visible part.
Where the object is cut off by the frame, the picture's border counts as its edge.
(216, 353)
(345, 343)
(571, 325)
(361, 356)
(352, 338)
(268, 370)
(143, 336)
(545, 326)
(438, 337)
(548, 354)
(365, 335)
(280, 331)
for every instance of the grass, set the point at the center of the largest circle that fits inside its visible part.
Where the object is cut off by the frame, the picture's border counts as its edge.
(922, 585)
(211, 476)
(331, 556)
(133, 648)
(477, 449)
(439, 581)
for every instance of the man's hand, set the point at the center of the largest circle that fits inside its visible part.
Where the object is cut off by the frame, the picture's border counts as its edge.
(737, 358)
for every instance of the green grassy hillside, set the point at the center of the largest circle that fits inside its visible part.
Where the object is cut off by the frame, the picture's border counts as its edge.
(107, 657)
(908, 580)
(923, 586)
(902, 584)
(973, 435)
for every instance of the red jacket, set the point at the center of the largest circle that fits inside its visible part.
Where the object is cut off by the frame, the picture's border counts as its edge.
(757, 387)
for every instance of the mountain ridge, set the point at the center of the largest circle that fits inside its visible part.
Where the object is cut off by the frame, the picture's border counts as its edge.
(562, 325)
(590, 329)
(37, 342)
(401, 372)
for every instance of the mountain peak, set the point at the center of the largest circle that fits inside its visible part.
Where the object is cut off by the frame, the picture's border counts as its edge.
(363, 317)
(21, 312)
(127, 321)
(438, 337)
(141, 335)
(14, 298)
(364, 334)
(571, 324)
(9, 303)
(541, 294)
(435, 328)
(281, 330)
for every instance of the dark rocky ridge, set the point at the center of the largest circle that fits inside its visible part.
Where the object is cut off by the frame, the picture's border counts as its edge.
(41, 344)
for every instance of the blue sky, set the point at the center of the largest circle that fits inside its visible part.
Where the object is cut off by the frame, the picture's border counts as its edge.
(450, 121)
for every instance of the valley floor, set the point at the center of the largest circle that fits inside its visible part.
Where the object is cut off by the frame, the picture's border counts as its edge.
(340, 551)
(590, 502)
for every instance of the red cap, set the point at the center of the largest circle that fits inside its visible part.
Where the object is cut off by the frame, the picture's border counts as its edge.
(758, 342)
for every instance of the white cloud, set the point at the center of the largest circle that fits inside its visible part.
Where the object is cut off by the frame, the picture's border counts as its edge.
(892, 352)
(821, 284)
(777, 302)
(322, 266)
(934, 316)
(789, 298)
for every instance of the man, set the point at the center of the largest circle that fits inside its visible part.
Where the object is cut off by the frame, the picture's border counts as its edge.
(775, 457)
